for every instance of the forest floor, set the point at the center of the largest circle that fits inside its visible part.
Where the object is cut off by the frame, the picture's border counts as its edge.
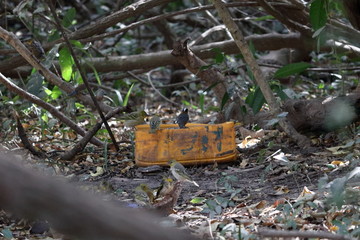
(271, 185)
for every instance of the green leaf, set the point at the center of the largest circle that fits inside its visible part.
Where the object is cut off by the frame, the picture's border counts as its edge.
(20, 9)
(255, 100)
(35, 83)
(54, 35)
(45, 117)
(119, 99)
(353, 173)
(290, 69)
(279, 91)
(318, 32)
(218, 209)
(219, 56)
(66, 62)
(77, 77)
(69, 17)
(250, 73)
(211, 86)
(202, 102)
(7, 233)
(76, 43)
(197, 200)
(321, 86)
(126, 99)
(79, 105)
(224, 100)
(186, 103)
(47, 91)
(318, 14)
(51, 55)
(252, 48)
(97, 77)
(272, 122)
(338, 191)
(263, 18)
(202, 68)
(55, 93)
(52, 122)
(258, 101)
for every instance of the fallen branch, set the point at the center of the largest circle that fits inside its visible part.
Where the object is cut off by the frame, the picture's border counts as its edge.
(104, 23)
(68, 155)
(24, 139)
(271, 41)
(71, 211)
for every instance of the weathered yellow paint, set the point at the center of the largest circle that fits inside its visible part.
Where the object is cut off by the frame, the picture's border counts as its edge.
(197, 144)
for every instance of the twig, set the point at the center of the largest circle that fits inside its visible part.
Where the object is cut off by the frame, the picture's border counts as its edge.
(24, 139)
(210, 229)
(68, 155)
(163, 86)
(212, 18)
(168, 15)
(129, 11)
(179, 83)
(283, 19)
(312, 69)
(298, 4)
(158, 92)
(50, 76)
(207, 33)
(258, 74)
(139, 79)
(54, 111)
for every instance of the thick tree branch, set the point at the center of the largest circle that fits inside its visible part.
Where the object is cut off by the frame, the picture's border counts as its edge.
(102, 24)
(73, 212)
(271, 41)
